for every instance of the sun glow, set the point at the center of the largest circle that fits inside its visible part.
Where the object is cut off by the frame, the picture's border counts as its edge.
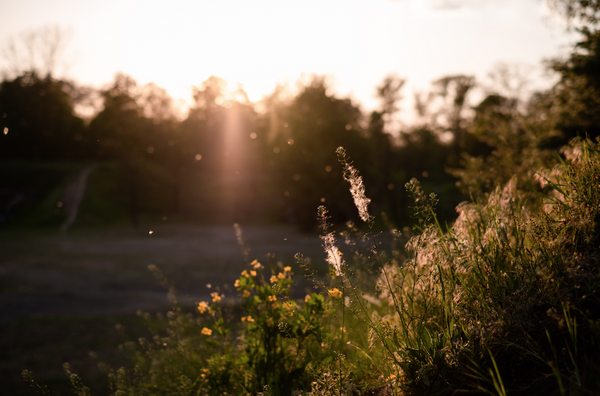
(265, 42)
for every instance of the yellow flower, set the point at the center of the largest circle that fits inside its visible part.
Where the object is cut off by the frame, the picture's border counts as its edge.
(202, 306)
(203, 376)
(215, 297)
(237, 283)
(289, 308)
(272, 298)
(287, 269)
(307, 298)
(253, 273)
(335, 293)
(281, 275)
(245, 273)
(273, 279)
(246, 293)
(206, 331)
(247, 319)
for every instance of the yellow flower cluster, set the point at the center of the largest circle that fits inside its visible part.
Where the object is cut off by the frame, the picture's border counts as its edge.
(253, 273)
(289, 308)
(273, 279)
(272, 298)
(202, 306)
(247, 319)
(287, 269)
(216, 297)
(335, 293)
(307, 298)
(237, 283)
(281, 275)
(206, 331)
(245, 273)
(246, 293)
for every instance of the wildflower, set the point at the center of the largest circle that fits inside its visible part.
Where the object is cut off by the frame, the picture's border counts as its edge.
(287, 269)
(237, 283)
(307, 298)
(334, 256)
(245, 273)
(357, 188)
(247, 319)
(206, 331)
(203, 376)
(202, 306)
(256, 265)
(281, 275)
(215, 297)
(246, 293)
(335, 293)
(253, 273)
(289, 308)
(273, 279)
(272, 298)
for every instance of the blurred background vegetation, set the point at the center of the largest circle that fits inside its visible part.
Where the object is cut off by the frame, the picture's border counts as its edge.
(230, 160)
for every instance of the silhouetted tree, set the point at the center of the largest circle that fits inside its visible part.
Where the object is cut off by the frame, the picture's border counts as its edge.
(302, 153)
(38, 122)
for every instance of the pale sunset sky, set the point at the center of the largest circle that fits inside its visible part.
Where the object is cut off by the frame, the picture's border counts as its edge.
(260, 43)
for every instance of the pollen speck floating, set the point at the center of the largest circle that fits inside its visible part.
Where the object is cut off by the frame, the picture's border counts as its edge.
(6, 131)
(150, 232)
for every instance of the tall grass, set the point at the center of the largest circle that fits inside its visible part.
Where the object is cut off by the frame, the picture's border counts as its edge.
(505, 301)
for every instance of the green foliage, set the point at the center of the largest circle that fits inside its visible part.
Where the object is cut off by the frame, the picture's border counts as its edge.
(481, 297)
(212, 352)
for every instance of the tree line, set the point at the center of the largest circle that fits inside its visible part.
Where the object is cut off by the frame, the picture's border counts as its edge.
(227, 160)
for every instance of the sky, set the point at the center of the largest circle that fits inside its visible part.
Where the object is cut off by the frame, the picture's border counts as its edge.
(262, 43)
